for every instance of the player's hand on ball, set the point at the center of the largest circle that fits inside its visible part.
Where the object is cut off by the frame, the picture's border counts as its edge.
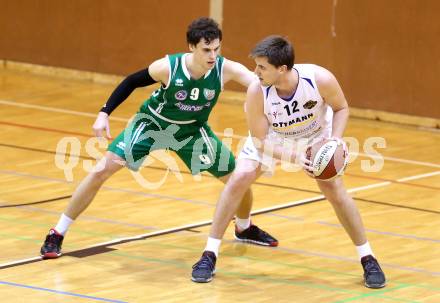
(341, 142)
(306, 165)
(328, 157)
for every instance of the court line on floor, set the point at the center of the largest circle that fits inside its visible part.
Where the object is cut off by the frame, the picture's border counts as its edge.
(36, 202)
(323, 255)
(326, 223)
(375, 295)
(150, 235)
(108, 188)
(285, 249)
(204, 202)
(257, 277)
(39, 150)
(39, 224)
(404, 182)
(393, 159)
(200, 224)
(300, 282)
(398, 181)
(53, 130)
(264, 260)
(303, 252)
(287, 217)
(114, 118)
(397, 235)
(341, 258)
(400, 160)
(56, 110)
(59, 292)
(391, 180)
(181, 264)
(321, 197)
(87, 218)
(308, 252)
(397, 205)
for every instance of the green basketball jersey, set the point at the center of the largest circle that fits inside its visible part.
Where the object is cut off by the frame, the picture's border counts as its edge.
(186, 100)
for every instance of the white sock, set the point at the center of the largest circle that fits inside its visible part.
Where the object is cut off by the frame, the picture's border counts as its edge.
(213, 245)
(242, 224)
(364, 250)
(63, 224)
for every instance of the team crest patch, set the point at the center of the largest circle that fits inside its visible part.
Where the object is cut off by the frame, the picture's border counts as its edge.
(181, 95)
(209, 93)
(310, 104)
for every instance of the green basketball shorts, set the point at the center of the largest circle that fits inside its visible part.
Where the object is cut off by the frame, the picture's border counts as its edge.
(197, 145)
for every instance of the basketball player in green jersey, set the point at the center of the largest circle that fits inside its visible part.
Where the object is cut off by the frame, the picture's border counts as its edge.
(174, 118)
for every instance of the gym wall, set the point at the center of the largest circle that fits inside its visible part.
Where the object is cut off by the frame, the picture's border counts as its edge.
(385, 54)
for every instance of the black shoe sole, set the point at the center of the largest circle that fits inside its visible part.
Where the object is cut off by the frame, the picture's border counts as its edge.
(255, 242)
(50, 256)
(375, 286)
(201, 280)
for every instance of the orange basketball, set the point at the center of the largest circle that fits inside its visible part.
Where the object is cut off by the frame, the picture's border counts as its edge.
(329, 159)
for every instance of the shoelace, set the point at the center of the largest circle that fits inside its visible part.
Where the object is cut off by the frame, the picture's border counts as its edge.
(52, 240)
(254, 230)
(257, 231)
(371, 266)
(205, 262)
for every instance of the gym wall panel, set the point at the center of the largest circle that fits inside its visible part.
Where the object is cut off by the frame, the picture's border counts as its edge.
(106, 36)
(249, 21)
(384, 53)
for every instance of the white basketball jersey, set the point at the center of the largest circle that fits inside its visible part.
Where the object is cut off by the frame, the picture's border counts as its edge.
(303, 115)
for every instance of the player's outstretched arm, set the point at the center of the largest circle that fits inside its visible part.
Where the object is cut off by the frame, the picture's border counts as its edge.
(156, 72)
(237, 72)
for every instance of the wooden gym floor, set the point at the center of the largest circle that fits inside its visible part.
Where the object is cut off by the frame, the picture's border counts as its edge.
(162, 232)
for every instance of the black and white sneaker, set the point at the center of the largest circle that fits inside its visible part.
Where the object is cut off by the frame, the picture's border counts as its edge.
(253, 234)
(51, 248)
(204, 270)
(373, 274)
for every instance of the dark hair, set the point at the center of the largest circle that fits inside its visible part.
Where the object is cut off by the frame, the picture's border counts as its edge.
(205, 28)
(277, 49)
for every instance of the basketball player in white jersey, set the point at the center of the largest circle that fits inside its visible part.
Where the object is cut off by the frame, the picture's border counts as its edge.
(289, 102)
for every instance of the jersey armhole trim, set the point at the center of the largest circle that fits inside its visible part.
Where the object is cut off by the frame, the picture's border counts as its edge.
(169, 72)
(221, 75)
(265, 91)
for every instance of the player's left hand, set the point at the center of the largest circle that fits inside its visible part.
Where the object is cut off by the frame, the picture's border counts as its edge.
(341, 142)
(306, 165)
(102, 124)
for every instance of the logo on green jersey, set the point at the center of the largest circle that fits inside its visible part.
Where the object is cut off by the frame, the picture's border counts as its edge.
(209, 93)
(181, 95)
(179, 82)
